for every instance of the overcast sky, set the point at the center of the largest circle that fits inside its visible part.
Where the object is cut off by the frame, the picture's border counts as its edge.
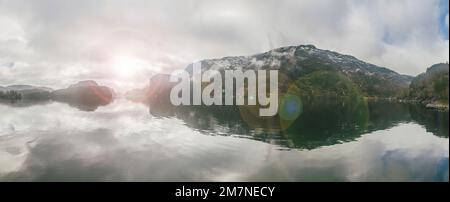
(56, 42)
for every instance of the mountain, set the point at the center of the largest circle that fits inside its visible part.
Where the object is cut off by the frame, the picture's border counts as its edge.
(431, 87)
(296, 61)
(85, 95)
(29, 92)
(27, 87)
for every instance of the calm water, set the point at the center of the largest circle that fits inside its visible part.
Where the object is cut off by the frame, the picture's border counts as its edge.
(126, 141)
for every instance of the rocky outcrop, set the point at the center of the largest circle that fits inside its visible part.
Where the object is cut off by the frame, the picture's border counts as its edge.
(85, 95)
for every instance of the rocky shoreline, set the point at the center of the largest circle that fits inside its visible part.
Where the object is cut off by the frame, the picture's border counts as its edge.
(436, 105)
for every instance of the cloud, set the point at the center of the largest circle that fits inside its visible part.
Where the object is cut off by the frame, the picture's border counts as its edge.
(446, 21)
(65, 41)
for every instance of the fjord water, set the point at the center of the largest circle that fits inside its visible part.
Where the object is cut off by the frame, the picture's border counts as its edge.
(126, 141)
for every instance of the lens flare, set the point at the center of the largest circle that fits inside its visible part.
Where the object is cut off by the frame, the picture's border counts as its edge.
(291, 107)
(126, 66)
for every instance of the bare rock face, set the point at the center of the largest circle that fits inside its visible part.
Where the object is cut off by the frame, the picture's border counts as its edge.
(85, 95)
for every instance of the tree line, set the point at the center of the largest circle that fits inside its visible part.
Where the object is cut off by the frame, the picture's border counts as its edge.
(10, 95)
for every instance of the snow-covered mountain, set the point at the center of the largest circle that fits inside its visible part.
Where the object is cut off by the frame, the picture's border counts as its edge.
(297, 61)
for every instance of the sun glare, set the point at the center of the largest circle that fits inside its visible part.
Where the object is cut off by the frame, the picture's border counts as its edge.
(126, 67)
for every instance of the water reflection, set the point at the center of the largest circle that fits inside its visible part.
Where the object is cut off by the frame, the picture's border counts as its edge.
(323, 121)
(122, 142)
(434, 121)
(24, 103)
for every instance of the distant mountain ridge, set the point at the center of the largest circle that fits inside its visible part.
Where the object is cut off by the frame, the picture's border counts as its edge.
(293, 63)
(29, 92)
(85, 95)
(27, 87)
(298, 61)
(296, 64)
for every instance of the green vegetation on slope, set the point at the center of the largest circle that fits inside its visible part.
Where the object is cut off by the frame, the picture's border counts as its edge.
(333, 108)
(328, 84)
(431, 86)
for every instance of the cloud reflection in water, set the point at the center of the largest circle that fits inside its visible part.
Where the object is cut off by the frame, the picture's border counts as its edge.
(122, 142)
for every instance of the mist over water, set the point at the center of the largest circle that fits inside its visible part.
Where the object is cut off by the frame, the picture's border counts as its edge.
(127, 141)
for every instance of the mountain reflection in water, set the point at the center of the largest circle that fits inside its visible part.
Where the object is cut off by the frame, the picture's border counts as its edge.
(329, 141)
(322, 123)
